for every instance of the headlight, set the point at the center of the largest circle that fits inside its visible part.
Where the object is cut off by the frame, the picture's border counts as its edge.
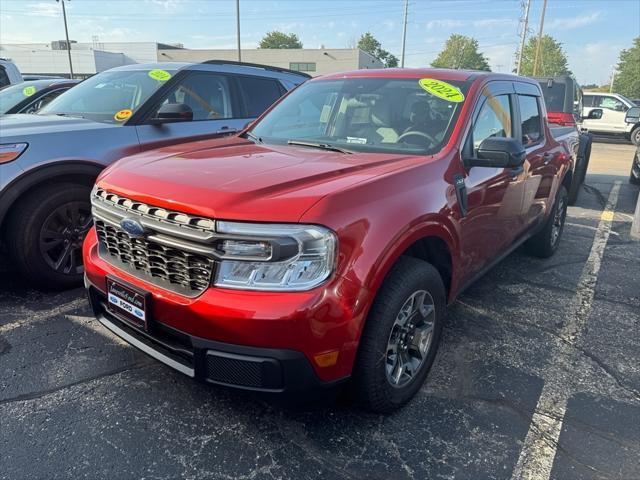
(11, 151)
(274, 257)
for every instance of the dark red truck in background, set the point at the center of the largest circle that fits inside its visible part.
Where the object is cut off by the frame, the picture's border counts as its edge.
(323, 243)
(563, 99)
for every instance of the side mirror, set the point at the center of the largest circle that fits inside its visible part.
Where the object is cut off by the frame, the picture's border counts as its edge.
(633, 115)
(595, 114)
(172, 112)
(499, 152)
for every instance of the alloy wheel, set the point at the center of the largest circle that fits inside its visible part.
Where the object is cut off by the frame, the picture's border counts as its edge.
(558, 220)
(410, 338)
(61, 237)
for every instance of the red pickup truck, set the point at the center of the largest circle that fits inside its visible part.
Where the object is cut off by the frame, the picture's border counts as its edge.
(323, 243)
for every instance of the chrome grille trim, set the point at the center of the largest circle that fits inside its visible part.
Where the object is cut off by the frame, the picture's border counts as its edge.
(154, 213)
(174, 255)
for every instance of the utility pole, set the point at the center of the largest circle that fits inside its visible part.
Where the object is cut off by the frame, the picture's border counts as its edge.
(238, 28)
(523, 35)
(66, 32)
(613, 79)
(535, 61)
(404, 31)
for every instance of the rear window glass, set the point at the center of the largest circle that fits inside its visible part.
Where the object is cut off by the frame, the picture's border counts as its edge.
(554, 96)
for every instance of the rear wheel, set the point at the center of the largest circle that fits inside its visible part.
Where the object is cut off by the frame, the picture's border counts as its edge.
(635, 136)
(545, 243)
(634, 176)
(45, 235)
(401, 336)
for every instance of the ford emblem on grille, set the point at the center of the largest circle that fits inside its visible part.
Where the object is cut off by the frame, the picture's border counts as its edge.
(132, 227)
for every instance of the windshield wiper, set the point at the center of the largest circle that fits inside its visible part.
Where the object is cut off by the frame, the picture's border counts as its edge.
(253, 137)
(68, 115)
(323, 146)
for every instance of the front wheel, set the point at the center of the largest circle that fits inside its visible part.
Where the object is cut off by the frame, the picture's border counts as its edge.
(545, 243)
(45, 235)
(635, 136)
(401, 336)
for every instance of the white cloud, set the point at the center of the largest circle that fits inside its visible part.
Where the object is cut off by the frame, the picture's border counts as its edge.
(168, 6)
(445, 23)
(574, 22)
(603, 56)
(43, 9)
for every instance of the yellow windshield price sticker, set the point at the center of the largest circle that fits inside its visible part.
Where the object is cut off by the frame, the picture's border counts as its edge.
(122, 115)
(160, 75)
(441, 89)
(28, 91)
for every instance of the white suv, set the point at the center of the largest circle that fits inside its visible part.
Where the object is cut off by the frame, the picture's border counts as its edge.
(614, 108)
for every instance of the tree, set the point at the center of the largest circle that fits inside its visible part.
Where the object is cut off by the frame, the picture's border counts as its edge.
(369, 44)
(627, 80)
(552, 60)
(461, 52)
(277, 39)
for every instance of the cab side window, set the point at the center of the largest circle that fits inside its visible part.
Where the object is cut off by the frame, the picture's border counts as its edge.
(258, 94)
(493, 120)
(42, 101)
(587, 100)
(611, 103)
(4, 78)
(531, 120)
(207, 94)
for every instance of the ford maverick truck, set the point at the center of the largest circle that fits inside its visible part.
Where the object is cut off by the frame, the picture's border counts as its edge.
(322, 245)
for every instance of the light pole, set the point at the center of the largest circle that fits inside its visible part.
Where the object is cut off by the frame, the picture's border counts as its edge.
(535, 60)
(66, 32)
(404, 31)
(238, 28)
(523, 36)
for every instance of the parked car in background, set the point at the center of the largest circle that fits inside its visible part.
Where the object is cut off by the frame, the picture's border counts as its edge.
(614, 108)
(48, 161)
(325, 241)
(563, 99)
(633, 117)
(9, 73)
(29, 97)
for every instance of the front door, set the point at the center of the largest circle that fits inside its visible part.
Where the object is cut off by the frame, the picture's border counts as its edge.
(613, 113)
(216, 107)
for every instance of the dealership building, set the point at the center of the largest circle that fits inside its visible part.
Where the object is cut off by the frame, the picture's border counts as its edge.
(93, 57)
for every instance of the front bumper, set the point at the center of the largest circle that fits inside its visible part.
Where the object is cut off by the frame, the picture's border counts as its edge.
(268, 341)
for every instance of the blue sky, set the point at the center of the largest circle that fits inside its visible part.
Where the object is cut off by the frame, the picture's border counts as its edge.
(591, 31)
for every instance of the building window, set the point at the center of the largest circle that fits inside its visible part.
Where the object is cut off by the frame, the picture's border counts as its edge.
(302, 67)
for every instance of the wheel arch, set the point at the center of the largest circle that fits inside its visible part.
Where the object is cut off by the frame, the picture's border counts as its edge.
(81, 172)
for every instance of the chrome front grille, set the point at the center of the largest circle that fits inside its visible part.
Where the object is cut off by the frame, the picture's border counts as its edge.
(176, 252)
(177, 270)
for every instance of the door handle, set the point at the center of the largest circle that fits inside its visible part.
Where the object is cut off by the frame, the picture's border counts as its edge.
(547, 157)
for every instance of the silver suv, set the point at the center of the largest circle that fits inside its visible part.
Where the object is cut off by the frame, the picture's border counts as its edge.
(50, 160)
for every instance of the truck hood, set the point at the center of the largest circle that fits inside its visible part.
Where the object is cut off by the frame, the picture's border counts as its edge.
(236, 179)
(19, 126)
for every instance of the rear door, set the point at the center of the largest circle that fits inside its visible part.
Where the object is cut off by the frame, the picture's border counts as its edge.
(216, 104)
(542, 153)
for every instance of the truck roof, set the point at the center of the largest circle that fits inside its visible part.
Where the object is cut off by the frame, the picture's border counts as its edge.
(440, 73)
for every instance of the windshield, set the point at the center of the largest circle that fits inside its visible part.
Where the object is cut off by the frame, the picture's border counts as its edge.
(366, 114)
(109, 97)
(11, 96)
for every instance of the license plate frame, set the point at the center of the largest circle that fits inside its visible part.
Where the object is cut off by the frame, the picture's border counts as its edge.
(129, 303)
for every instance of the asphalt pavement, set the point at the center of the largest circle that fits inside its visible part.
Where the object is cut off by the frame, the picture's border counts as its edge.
(538, 376)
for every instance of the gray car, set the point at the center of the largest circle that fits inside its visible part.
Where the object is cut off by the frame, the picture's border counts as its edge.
(50, 160)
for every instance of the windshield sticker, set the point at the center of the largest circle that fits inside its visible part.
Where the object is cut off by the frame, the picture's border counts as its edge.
(356, 140)
(28, 91)
(122, 115)
(160, 75)
(441, 89)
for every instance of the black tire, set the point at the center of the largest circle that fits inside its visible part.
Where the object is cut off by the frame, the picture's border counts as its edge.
(576, 180)
(634, 175)
(635, 136)
(33, 250)
(370, 383)
(545, 243)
